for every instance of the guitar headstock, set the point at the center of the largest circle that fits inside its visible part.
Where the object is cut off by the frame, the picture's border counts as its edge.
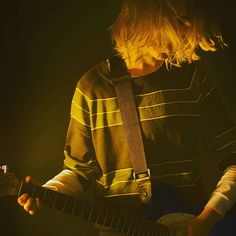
(8, 182)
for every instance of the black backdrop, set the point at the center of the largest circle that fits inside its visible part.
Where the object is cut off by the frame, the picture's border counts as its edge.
(45, 47)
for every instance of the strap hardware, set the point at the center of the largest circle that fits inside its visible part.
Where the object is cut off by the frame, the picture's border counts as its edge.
(142, 176)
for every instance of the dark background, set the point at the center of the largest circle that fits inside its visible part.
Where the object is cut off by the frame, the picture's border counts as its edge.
(45, 47)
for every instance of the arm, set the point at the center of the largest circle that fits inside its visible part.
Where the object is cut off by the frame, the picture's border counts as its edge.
(219, 139)
(66, 182)
(80, 160)
(224, 196)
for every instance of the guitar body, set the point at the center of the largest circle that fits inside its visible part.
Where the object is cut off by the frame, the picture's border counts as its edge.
(167, 206)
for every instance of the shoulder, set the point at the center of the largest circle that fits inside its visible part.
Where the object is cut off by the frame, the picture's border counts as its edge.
(94, 80)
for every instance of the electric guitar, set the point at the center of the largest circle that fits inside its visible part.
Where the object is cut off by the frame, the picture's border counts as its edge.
(103, 215)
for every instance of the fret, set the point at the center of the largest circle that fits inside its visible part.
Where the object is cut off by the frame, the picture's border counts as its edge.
(74, 206)
(64, 205)
(86, 210)
(101, 217)
(69, 204)
(148, 228)
(55, 199)
(116, 221)
(98, 214)
(148, 231)
(108, 217)
(114, 218)
(78, 208)
(44, 195)
(160, 229)
(132, 227)
(157, 229)
(126, 225)
(32, 194)
(25, 188)
(142, 228)
(121, 222)
(82, 209)
(59, 201)
(49, 197)
(152, 229)
(91, 213)
(165, 230)
(39, 192)
(94, 214)
(136, 226)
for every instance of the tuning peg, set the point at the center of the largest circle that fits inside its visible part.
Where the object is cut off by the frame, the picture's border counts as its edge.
(4, 168)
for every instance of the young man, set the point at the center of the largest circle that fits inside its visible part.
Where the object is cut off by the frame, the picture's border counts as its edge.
(180, 114)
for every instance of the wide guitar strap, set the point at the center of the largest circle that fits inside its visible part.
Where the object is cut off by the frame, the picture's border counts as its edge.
(123, 86)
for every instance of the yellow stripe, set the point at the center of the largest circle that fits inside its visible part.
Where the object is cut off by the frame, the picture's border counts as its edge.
(167, 103)
(102, 113)
(79, 121)
(225, 132)
(172, 175)
(117, 171)
(95, 100)
(147, 119)
(81, 108)
(121, 194)
(207, 94)
(173, 162)
(167, 90)
(144, 94)
(226, 145)
(161, 117)
(204, 80)
(117, 182)
(105, 126)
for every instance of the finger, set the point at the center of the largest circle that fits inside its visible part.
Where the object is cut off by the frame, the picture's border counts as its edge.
(30, 205)
(38, 203)
(28, 179)
(23, 199)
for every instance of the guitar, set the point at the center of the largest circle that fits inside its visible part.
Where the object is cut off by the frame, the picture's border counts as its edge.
(103, 215)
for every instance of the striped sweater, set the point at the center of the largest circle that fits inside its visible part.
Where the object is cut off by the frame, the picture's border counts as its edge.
(180, 114)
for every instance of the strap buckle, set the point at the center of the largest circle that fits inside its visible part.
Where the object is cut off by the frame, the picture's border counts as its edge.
(142, 175)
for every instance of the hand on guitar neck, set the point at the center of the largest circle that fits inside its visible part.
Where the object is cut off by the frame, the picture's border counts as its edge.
(30, 204)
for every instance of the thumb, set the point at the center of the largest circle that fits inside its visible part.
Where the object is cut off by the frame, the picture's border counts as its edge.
(29, 179)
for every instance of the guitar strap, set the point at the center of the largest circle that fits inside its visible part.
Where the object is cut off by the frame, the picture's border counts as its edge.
(123, 86)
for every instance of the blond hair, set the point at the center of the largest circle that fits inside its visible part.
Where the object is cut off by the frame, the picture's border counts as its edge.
(176, 29)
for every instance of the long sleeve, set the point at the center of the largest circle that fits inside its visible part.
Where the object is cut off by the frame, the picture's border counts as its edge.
(65, 182)
(219, 137)
(224, 196)
(79, 151)
(80, 164)
(218, 128)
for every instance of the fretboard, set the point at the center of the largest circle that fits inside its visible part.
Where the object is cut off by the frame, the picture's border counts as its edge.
(95, 213)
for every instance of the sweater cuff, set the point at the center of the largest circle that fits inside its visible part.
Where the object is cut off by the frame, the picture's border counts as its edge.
(219, 203)
(65, 182)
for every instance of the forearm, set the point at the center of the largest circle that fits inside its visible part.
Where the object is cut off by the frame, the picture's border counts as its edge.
(224, 196)
(66, 182)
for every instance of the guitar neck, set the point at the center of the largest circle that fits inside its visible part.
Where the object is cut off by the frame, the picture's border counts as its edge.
(95, 213)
